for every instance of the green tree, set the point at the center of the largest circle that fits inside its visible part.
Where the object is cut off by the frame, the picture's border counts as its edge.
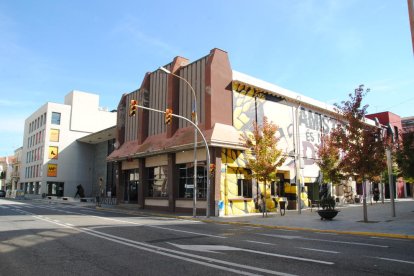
(363, 152)
(329, 158)
(405, 156)
(328, 161)
(264, 156)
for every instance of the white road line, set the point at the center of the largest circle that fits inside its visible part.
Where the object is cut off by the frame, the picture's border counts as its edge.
(331, 241)
(192, 255)
(188, 232)
(267, 243)
(154, 226)
(319, 250)
(395, 260)
(205, 261)
(324, 233)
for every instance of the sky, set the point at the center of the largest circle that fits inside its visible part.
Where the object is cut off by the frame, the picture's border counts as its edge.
(323, 49)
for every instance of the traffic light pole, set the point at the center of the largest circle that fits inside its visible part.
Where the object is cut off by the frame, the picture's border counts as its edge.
(207, 150)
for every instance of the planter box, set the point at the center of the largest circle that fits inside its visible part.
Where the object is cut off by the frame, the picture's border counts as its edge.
(327, 214)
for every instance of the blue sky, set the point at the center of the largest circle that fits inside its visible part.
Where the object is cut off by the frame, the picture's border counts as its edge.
(319, 48)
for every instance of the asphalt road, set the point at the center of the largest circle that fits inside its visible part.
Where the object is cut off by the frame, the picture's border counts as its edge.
(63, 239)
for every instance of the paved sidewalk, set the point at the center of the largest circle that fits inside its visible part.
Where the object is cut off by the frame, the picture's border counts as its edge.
(350, 219)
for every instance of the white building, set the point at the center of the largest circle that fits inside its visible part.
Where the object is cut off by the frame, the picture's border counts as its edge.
(53, 161)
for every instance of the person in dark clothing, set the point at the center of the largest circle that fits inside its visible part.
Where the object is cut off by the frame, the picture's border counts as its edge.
(80, 191)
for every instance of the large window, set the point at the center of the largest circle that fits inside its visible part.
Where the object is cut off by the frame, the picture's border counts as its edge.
(244, 187)
(157, 182)
(186, 187)
(55, 118)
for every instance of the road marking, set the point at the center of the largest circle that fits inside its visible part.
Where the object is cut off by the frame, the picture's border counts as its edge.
(324, 233)
(267, 243)
(395, 260)
(311, 239)
(204, 261)
(163, 228)
(203, 258)
(212, 248)
(319, 250)
(188, 232)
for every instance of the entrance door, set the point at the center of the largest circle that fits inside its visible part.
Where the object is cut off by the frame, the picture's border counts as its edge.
(55, 189)
(131, 186)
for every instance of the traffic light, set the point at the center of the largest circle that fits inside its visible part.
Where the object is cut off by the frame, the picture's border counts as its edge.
(133, 108)
(168, 116)
(212, 168)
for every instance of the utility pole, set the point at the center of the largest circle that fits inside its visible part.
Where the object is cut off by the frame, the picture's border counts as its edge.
(390, 180)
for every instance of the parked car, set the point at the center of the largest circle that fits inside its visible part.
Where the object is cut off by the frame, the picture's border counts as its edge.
(2, 193)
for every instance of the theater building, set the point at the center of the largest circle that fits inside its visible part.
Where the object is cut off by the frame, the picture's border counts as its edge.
(155, 162)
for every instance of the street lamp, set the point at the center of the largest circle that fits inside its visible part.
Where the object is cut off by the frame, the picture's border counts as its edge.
(195, 143)
(297, 157)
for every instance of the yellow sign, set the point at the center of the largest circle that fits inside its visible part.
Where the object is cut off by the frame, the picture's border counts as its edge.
(53, 152)
(52, 170)
(54, 135)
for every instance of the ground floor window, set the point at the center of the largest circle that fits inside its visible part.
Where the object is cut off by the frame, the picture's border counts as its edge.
(186, 182)
(157, 182)
(244, 187)
(37, 187)
(55, 188)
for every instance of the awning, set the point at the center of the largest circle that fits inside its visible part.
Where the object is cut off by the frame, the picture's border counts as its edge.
(220, 136)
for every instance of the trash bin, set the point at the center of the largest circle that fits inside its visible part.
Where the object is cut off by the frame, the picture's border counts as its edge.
(220, 206)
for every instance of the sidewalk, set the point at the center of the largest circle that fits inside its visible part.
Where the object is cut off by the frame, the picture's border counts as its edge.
(350, 219)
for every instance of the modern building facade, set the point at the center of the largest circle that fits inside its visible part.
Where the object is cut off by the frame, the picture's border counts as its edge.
(98, 146)
(53, 161)
(16, 167)
(155, 162)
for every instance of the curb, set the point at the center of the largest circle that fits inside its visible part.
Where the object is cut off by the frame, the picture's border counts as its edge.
(206, 220)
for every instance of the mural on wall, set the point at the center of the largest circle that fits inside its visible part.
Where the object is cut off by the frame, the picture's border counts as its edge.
(247, 108)
(250, 105)
(312, 125)
(233, 169)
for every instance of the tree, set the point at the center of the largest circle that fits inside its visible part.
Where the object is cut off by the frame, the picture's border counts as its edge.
(363, 153)
(329, 158)
(264, 157)
(405, 156)
(328, 162)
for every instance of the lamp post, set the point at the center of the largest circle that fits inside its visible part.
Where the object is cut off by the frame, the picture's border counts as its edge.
(297, 159)
(195, 141)
(205, 143)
